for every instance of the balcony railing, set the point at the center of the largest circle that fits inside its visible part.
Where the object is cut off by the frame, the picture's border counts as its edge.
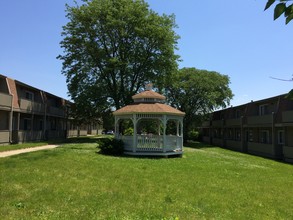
(30, 106)
(287, 116)
(233, 122)
(261, 119)
(5, 100)
(218, 123)
(56, 111)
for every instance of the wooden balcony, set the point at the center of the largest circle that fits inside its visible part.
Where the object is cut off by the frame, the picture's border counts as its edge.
(206, 124)
(4, 136)
(30, 106)
(218, 123)
(261, 149)
(287, 116)
(6, 101)
(54, 111)
(288, 152)
(261, 119)
(233, 122)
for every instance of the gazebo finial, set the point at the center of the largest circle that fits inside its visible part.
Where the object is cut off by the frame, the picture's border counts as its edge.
(149, 86)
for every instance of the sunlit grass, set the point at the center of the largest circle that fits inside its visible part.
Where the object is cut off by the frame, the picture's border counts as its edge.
(74, 182)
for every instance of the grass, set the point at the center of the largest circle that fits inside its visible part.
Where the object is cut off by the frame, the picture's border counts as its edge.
(74, 182)
(21, 146)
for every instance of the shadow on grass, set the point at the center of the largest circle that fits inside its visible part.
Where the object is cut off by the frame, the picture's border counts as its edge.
(197, 145)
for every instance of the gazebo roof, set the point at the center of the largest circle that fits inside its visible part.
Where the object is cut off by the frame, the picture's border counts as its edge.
(147, 108)
(148, 94)
(148, 102)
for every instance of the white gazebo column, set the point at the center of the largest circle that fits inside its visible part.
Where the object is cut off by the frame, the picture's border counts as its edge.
(159, 133)
(116, 127)
(164, 133)
(134, 141)
(181, 134)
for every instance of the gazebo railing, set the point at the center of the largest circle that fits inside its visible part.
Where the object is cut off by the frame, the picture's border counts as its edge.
(149, 143)
(153, 143)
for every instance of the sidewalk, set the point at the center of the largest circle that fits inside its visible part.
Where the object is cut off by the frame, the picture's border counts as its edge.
(26, 150)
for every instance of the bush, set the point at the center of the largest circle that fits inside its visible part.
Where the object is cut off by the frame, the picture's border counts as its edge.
(193, 135)
(128, 131)
(111, 146)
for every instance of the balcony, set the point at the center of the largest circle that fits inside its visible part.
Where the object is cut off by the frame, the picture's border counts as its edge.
(287, 116)
(261, 149)
(233, 122)
(5, 100)
(206, 124)
(56, 111)
(30, 106)
(260, 119)
(218, 123)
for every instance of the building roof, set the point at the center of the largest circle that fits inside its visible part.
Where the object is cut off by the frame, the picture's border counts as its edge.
(146, 108)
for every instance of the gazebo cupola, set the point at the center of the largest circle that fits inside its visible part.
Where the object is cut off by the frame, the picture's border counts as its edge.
(157, 127)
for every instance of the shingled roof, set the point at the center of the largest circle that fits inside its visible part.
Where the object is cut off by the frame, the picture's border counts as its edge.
(149, 103)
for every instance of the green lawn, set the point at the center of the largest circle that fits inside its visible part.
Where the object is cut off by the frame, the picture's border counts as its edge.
(21, 146)
(74, 182)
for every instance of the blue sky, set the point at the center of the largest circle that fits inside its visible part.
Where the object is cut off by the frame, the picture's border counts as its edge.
(236, 39)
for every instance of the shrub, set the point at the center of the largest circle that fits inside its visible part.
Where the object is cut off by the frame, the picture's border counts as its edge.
(128, 131)
(193, 135)
(110, 146)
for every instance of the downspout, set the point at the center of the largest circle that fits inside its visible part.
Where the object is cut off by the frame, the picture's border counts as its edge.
(11, 113)
(11, 120)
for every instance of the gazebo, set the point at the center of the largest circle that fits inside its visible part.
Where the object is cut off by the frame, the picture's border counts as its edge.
(149, 111)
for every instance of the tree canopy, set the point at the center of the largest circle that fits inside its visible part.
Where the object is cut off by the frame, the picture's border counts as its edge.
(281, 8)
(197, 93)
(112, 48)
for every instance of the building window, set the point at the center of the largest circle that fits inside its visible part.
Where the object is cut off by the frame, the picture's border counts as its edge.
(264, 136)
(263, 109)
(29, 95)
(281, 137)
(27, 124)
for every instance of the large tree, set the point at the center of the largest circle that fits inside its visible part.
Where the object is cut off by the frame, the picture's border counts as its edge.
(197, 93)
(112, 48)
(283, 7)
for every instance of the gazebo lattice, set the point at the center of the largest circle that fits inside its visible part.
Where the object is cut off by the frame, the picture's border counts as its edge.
(149, 105)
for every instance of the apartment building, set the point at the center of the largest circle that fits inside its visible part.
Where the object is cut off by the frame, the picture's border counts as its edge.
(30, 114)
(263, 128)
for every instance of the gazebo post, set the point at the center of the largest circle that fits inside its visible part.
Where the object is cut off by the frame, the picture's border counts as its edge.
(134, 133)
(164, 134)
(181, 133)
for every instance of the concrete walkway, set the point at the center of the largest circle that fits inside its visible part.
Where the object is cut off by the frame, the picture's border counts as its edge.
(26, 150)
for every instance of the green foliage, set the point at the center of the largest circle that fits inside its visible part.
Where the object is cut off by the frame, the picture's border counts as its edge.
(129, 131)
(197, 93)
(110, 146)
(281, 8)
(112, 48)
(193, 135)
